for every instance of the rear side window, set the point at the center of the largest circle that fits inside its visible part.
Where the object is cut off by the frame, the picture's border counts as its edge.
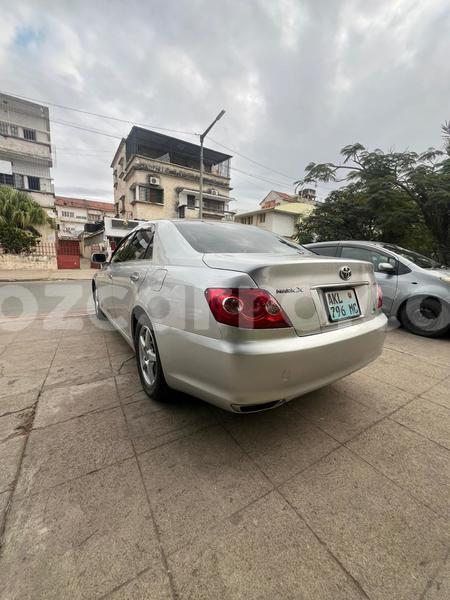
(373, 256)
(136, 247)
(325, 250)
(231, 238)
(142, 245)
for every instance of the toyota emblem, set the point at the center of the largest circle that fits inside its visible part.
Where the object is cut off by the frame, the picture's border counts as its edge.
(345, 273)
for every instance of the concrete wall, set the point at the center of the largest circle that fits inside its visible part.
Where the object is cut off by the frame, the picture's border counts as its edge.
(13, 261)
(86, 244)
(25, 147)
(283, 224)
(279, 223)
(46, 232)
(146, 211)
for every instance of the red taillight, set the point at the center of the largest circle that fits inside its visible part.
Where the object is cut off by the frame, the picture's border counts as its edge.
(250, 308)
(379, 296)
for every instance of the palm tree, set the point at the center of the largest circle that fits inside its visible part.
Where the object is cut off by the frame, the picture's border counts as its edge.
(18, 209)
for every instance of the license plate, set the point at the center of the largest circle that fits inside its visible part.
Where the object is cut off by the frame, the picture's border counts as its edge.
(342, 304)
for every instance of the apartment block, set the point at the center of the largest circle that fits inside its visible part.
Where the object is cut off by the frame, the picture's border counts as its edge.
(156, 176)
(25, 149)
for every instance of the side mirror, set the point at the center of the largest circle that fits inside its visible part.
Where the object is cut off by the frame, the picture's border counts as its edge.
(386, 268)
(99, 258)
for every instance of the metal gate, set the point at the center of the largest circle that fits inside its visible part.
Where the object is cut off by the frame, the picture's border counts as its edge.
(68, 254)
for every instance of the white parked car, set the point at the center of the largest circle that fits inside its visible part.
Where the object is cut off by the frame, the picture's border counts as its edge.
(235, 315)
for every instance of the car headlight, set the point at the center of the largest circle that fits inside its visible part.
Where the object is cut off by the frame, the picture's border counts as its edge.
(445, 278)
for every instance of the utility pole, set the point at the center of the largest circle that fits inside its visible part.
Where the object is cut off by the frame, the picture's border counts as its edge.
(202, 167)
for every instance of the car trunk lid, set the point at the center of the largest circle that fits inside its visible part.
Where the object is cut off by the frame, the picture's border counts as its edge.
(300, 283)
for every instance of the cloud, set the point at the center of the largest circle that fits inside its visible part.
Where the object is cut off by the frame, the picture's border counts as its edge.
(298, 79)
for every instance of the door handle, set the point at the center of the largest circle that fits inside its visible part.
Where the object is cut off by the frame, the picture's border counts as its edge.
(134, 277)
(109, 275)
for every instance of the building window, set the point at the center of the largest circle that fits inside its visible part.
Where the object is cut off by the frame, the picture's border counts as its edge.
(3, 128)
(67, 213)
(34, 183)
(214, 205)
(14, 130)
(94, 218)
(6, 179)
(190, 201)
(262, 218)
(18, 181)
(29, 134)
(153, 195)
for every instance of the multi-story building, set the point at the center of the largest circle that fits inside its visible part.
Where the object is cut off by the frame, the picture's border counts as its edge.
(73, 213)
(157, 177)
(25, 149)
(280, 212)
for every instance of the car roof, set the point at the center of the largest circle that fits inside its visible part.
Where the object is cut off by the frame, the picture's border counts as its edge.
(339, 242)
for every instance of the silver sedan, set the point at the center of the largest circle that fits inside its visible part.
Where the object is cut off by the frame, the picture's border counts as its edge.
(235, 315)
(416, 289)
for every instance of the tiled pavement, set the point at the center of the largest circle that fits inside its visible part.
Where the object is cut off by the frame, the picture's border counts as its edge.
(341, 494)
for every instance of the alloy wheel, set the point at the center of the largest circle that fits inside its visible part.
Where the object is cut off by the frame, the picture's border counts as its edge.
(147, 355)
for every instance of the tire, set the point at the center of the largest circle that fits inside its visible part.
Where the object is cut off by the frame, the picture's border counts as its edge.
(98, 311)
(148, 362)
(425, 316)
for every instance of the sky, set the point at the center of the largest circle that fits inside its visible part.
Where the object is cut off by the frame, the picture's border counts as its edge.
(299, 79)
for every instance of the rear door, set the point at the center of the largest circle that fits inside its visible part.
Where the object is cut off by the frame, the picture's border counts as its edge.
(387, 281)
(105, 278)
(131, 269)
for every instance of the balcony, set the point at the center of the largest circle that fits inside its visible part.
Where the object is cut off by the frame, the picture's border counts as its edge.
(162, 154)
(21, 149)
(157, 168)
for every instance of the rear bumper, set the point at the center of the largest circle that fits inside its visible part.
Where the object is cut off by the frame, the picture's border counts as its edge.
(231, 375)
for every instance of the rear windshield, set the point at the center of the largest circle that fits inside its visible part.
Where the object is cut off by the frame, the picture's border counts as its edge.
(228, 238)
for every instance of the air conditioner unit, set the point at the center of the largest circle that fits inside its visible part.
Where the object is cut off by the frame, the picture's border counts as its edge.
(214, 192)
(153, 180)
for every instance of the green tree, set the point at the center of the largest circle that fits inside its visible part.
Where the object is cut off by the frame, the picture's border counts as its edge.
(19, 215)
(349, 213)
(397, 183)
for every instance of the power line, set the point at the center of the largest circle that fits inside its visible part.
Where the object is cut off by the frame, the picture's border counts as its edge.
(120, 120)
(259, 177)
(252, 160)
(101, 116)
(88, 129)
(98, 132)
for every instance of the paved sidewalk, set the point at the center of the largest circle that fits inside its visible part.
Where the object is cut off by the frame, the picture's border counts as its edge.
(45, 274)
(341, 494)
